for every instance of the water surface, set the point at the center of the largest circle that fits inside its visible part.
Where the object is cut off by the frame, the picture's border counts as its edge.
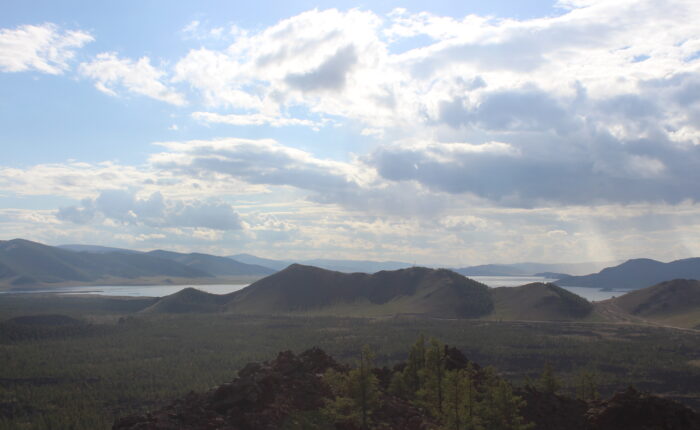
(135, 290)
(592, 294)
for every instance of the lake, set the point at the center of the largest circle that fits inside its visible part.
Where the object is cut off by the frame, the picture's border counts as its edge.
(592, 294)
(135, 290)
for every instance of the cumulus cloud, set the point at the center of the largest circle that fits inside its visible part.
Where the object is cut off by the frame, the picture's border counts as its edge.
(125, 207)
(486, 132)
(329, 75)
(263, 161)
(113, 74)
(586, 167)
(44, 48)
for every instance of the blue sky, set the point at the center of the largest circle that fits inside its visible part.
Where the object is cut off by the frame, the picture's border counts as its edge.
(447, 133)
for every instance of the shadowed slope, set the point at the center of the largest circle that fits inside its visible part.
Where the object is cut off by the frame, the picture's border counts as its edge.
(537, 301)
(415, 290)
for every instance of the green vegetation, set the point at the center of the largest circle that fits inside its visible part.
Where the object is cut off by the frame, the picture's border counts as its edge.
(674, 302)
(417, 290)
(450, 397)
(117, 362)
(538, 302)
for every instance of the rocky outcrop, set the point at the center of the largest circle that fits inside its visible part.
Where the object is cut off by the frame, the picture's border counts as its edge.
(633, 410)
(260, 398)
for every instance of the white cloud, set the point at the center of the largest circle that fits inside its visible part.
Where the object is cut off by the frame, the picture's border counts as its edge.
(125, 207)
(112, 74)
(254, 119)
(44, 48)
(491, 138)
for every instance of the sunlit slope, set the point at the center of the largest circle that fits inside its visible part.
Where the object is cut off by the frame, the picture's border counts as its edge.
(675, 302)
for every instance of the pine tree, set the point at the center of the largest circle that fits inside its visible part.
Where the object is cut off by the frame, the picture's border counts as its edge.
(415, 365)
(587, 385)
(460, 400)
(500, 408)
(432, 392)
(549, 383)
(363, 385)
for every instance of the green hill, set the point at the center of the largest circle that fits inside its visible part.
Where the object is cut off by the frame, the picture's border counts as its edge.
(26, 263)
(417, 290)
(675, 302)
(538, 302)
(188, 300)
(421, 291)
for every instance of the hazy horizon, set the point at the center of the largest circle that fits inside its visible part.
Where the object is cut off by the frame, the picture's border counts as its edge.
(452, 134)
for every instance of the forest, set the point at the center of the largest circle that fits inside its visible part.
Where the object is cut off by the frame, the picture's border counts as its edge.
(100, 361)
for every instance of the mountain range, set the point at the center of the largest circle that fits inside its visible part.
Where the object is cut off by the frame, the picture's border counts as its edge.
(30, 264)
(418, 291)
(635, 274)
(437, 293)
(308, 289)
(365, 266)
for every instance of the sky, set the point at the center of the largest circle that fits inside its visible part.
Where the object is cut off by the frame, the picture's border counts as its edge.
(443, 133)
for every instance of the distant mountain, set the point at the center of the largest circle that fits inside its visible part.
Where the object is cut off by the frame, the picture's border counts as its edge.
(635, 274)
(570, 268)
(217, 266)
(29, 264)
(265, 262)
(96, 249)
(530, 269)
(492, 270)
(345, 266)
(25, 263)
(540, 302)
(352, 266)
(552, 275)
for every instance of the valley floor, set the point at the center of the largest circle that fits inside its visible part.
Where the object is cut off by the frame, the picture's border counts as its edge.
(121, 362)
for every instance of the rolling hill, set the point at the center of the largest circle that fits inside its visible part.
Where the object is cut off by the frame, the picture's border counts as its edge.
(25, 264)
(675, 302)
(415, 290)
(635, 274)
(307, 289)
(539, 302)
(188, 300)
